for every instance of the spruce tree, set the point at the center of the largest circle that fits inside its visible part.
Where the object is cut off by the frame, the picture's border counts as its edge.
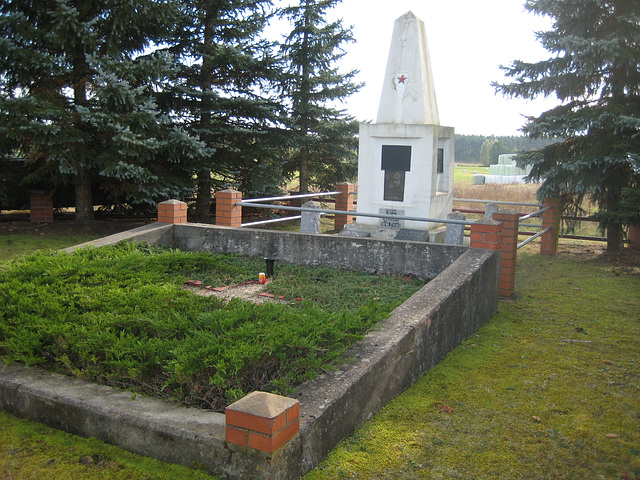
(594, 72)
(78, 87)
(223, 95)
(323, 140)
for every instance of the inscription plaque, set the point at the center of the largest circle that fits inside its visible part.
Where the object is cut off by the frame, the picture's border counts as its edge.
(396, 157)
(391, 222)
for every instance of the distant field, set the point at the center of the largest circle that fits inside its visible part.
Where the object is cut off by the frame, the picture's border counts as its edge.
(463, 173)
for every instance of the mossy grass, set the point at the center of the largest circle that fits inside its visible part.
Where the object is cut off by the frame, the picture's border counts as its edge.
(513, 401)
(119, 315)
(15, 243)
(548, 389)
(30, 450)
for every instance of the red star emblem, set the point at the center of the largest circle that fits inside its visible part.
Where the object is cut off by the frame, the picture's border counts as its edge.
(402, 79)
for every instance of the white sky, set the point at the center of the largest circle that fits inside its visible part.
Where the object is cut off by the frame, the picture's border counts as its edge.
(468, 40)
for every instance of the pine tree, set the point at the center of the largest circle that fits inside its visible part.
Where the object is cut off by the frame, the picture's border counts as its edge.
(323, 141)
(485, 151)
(497, 148)
(227, 72)
(77, 96)
(594, 72)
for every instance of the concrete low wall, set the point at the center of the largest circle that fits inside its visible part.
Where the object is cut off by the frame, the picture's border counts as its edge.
(417, 335)
(385, 257)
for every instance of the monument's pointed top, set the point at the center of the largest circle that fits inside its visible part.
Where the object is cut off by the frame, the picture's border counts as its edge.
(408, 94)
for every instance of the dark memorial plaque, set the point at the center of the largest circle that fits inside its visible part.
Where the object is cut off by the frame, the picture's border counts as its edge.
(394, 186)
(396, 157)
(396, 161)
(412, 235)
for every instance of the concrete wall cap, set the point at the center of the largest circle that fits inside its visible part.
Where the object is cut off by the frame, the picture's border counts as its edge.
(507, 211)
(262, 404)
(486, 221)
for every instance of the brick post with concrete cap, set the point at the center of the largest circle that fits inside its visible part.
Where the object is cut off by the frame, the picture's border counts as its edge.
(486, 233)
(228, 214)
(344, 202)
(41, 205)
(509, 250)
(172, 211)
(551, 218)
(262, 421)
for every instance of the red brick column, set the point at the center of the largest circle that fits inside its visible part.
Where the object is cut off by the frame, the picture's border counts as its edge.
(172, 211)
(486, 233)
(262, 421)
(551, 218)
(228, 214)
(41, 205)
(509, 250)
(344, 202)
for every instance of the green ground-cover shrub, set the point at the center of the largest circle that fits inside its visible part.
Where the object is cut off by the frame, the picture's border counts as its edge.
(119, 315)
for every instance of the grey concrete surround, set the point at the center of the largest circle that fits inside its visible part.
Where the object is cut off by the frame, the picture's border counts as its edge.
(461, 297)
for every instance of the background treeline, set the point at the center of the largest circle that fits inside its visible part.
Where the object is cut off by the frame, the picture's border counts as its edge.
(133, 102)
(485, 150)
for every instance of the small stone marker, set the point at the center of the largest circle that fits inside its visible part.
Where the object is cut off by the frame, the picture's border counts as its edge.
(412, 235)
(455, 232)
(263, 421)
(310, 221)
(490, 209)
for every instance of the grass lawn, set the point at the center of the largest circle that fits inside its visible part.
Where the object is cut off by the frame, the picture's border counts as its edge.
(548, 389)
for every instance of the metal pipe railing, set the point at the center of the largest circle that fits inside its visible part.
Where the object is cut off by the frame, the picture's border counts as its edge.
(533, 237)
(356, 214)
(286, 197)
(536, 213)
(519, 204)
(273, 220)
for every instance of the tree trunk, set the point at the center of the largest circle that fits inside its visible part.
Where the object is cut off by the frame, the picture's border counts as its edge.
(304, 170)
(203, 201)
(84, 197)
(615, 238)
(305, 99)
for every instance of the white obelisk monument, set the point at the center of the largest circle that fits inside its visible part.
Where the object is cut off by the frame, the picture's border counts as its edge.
(406, 157)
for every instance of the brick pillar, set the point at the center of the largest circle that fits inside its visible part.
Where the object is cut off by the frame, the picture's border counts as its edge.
(41, 205)
(172, 211)
(344, 202)
(509, 251)
(228, 214)
(551, 218)
(262, 421)
(486, 233)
